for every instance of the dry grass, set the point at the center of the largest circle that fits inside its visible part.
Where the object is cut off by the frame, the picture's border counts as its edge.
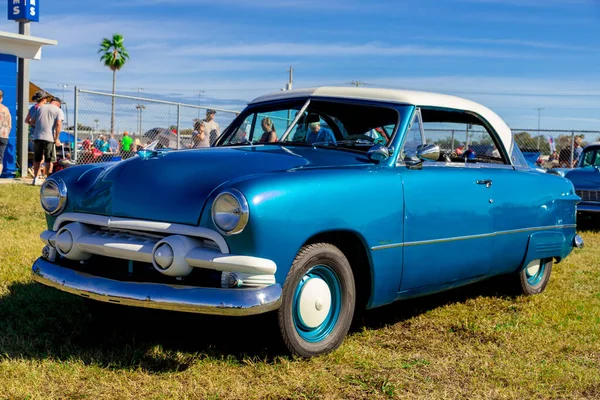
(468, 343)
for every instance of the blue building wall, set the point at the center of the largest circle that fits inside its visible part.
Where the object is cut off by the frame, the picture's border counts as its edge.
(8, 84)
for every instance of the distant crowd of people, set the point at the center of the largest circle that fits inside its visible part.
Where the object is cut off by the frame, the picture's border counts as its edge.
(562, 158)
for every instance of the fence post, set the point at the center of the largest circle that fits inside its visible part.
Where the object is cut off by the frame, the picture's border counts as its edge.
(452, 148)
(75, 119)
(572, 148)
(178, 126)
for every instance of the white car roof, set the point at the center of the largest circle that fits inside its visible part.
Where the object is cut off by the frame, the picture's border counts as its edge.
(415, 98)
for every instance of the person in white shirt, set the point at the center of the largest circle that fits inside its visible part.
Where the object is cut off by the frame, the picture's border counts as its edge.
(211, 127)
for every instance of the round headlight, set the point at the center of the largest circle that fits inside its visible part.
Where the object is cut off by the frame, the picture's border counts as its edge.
(230, 212)
(53, 196)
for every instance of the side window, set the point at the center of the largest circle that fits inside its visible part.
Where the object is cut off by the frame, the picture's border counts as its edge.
(461, 136)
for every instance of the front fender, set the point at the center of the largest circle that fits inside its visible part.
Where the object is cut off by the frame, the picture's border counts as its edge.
(288, 208)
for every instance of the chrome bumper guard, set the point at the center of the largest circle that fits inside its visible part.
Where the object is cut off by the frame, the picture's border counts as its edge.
(232, 302)
(578, 242)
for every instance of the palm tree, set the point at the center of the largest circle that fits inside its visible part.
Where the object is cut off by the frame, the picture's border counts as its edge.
(114, 56)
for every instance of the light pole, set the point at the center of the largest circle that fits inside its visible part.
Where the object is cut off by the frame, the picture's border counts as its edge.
(140, 107)
(63, 86)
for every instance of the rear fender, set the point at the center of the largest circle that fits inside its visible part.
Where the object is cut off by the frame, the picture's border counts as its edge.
(545, 245)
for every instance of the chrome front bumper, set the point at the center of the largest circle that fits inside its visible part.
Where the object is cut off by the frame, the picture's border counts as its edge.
(233, 302)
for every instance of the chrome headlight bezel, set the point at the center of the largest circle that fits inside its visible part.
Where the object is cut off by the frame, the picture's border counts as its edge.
(61, 198)
(240, 219)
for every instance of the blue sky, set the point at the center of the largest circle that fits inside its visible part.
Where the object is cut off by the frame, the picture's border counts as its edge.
(511, 55)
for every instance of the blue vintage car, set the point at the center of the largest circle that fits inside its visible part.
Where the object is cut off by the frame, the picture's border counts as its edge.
(586, 179)
(314, 204)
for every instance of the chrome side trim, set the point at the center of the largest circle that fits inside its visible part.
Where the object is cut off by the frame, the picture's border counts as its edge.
(232, 302)
(142, 225)
(480, 236)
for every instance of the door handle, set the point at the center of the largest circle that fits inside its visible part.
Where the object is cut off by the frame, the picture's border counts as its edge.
(486, 182)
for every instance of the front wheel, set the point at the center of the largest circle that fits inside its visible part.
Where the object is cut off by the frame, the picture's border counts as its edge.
(534, 278)
(318, 301)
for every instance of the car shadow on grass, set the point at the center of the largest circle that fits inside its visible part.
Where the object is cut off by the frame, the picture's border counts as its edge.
(37, 322)
(41, 323)
(588, 222)
(402, 310)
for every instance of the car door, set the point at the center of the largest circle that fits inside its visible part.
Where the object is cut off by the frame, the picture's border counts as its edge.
(448, 221)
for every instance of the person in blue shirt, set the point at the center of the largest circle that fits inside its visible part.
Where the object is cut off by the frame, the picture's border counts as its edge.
(318, 134)
(113, 144)
(99, 142)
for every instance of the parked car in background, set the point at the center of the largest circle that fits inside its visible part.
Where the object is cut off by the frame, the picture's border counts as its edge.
(361, 201)
(586, 179)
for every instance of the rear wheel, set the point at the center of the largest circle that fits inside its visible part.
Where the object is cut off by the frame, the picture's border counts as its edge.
(318, 301)
(534, 278)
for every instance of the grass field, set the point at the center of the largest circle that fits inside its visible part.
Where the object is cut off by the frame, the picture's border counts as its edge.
(470, 343)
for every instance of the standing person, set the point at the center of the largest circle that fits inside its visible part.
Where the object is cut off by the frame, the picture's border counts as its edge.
(126, 143)
(5, 127)
(577, 150)
(199, 136)
(105, 147)
(99, 142)
(211, 126)
(113, 145)
(48, 125)
(40, 98)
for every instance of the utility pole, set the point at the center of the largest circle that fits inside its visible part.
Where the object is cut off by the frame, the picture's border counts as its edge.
(539, 110)
(291, 79)
(357, 83)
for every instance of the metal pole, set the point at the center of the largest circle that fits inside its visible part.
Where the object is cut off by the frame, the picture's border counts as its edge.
(539, 110)
(572, 148)
(22, 106)
(178, 126)
(75, 119)
(452, 148)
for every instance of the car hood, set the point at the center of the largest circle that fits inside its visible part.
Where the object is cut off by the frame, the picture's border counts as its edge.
(587, 178)
(174, 187)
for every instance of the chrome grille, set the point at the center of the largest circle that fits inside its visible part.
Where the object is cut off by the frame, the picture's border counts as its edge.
(592, 196)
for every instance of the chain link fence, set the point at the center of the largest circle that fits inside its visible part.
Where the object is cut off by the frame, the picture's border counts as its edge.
(103, 135)
(545, 148)
(100, 134)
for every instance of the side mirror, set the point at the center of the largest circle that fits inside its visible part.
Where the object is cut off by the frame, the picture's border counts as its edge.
(424, 152)
(378, 153)
(428, 152)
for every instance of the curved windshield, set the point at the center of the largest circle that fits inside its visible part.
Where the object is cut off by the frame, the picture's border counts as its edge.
(318, 123)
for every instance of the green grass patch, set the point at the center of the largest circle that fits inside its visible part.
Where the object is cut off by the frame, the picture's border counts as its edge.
(473, 342)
